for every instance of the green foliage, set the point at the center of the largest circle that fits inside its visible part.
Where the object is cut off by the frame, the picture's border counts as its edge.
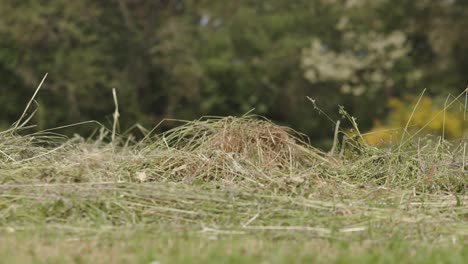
(187, 58)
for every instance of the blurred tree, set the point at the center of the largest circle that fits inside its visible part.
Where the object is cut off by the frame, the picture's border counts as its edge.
(186, 58)
(363, 61)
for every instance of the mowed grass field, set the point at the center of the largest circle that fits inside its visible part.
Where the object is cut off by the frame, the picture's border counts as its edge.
(230, 190)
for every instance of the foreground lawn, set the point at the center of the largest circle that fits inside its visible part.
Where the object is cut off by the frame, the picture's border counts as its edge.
(163, 246)
(230, 190)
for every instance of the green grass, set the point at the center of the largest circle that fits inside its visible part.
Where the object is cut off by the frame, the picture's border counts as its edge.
(145, 246)
(229, 190)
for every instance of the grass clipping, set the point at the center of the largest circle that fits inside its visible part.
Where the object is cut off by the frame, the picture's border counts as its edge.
(233, 175)
(230, 150)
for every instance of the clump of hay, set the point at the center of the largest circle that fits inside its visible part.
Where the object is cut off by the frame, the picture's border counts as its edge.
(15, 148)
(227, 149)
(260, 141)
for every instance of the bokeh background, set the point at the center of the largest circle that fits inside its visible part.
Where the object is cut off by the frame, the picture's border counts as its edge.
(186, 59)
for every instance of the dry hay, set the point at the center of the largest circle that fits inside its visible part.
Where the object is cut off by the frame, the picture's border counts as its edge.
(230, 149)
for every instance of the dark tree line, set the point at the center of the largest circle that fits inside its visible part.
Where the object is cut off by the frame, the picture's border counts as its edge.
(184, 59)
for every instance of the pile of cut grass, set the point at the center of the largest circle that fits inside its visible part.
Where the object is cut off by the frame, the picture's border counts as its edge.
(233, 179)
(246, 152)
